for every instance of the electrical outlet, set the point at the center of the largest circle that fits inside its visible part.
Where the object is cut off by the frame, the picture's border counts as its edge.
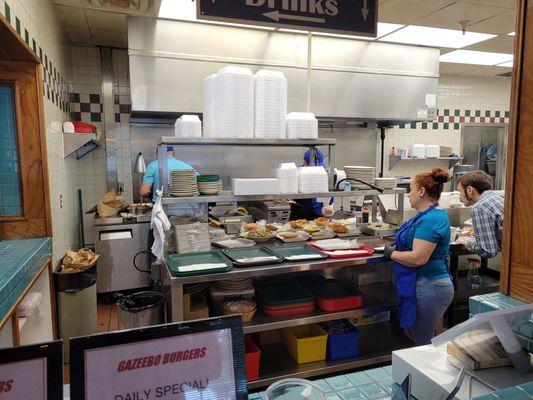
(60, 201)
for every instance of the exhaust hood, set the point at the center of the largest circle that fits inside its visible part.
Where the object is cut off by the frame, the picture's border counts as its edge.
(350, 82)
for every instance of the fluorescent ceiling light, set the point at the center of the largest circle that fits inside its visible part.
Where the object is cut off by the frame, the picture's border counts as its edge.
(437, 37)
(507, 64)
(475, 57)
(511, 34)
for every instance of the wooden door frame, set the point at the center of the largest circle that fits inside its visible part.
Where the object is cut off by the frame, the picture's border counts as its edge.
(16, 51)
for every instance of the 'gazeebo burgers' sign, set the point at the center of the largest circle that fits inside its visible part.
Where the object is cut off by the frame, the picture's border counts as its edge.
(187, 361)
(348, 17)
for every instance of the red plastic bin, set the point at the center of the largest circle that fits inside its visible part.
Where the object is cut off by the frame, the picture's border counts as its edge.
(333, 296)
(252, 358)
(289, 311)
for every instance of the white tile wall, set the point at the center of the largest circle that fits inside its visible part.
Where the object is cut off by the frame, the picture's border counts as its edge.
(39, 19)
(455, 93)
(86, 79)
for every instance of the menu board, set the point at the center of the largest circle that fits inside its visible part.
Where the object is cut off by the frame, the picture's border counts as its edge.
(201, 360)
(31, 372)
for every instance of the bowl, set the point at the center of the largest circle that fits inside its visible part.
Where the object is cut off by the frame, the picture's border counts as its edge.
(295, 389)
(208, 178)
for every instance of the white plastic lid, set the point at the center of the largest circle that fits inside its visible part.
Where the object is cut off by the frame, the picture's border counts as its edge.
(287, 166)
(230, 69)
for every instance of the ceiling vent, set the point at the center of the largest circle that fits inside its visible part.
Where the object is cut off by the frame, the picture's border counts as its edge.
(124, 6)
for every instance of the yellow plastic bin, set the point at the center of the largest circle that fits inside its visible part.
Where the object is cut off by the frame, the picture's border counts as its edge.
(306, 343)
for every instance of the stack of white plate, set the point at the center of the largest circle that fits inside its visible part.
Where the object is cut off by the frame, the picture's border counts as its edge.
(385, 183)
(313, 180)
(188, 126)
(209, 106)
(302, 126)
(287, 173)
(182, 183)
(234, 103)
(192, 238)
(210, 188)
(365, 174)
(270, 104)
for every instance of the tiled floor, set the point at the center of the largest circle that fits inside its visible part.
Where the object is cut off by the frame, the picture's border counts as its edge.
(107, 317)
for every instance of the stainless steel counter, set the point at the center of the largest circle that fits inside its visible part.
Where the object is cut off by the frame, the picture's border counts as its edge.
(173, 287)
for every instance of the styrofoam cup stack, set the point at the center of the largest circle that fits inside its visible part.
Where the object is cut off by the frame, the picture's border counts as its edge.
(302, 126)
(234, 103)
(209, 106)
(188, 126)
(270, 104)
(287, 173)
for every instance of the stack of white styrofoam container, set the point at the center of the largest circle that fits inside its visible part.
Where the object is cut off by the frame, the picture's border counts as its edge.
(287, 173)
(312, 180)
(270, 104)
(209, 106)
(188, 126)
(302, 126)
(234, 103)
(418, 151)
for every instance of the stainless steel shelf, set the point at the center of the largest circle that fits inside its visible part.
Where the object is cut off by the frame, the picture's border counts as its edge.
(227, 196)
(246, 142)
(377, 298)
(393, 160)
(377, 343)
(270, 270)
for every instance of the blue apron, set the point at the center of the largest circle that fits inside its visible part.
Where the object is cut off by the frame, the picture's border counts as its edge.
(406, 277)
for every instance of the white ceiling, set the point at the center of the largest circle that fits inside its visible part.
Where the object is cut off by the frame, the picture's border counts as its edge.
(88, 24)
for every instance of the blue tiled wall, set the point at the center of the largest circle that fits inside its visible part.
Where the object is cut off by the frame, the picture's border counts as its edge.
(10, 203)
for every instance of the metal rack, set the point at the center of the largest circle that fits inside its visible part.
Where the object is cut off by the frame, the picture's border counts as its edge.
(174, 141)
(378, 297)
(393, 160)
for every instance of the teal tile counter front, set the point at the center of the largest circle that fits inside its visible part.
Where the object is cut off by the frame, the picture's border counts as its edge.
(20, 260)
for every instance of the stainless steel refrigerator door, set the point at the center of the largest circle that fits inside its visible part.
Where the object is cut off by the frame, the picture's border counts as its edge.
(117, 245)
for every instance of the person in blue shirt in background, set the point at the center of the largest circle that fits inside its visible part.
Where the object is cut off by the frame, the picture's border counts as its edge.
(423, 283)
(309, 208)
(151, 177)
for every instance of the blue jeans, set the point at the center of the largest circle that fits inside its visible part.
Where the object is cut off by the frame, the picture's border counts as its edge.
(433, 297)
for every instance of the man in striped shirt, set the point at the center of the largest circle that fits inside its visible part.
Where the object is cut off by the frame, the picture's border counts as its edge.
(475, 189)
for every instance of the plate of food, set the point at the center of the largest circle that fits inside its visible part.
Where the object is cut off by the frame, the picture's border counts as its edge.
(322, 234)
(299, 223)
(291, 237)
(258, 236)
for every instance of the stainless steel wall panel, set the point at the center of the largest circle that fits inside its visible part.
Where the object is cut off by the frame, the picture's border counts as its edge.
(369, 96)
(176, 85)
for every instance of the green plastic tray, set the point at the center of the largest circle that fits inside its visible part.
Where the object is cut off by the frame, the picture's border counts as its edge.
(282, 293)
(177, 261)
(263, 255)
(298, 252)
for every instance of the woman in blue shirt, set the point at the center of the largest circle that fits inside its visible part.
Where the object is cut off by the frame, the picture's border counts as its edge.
(422, 280)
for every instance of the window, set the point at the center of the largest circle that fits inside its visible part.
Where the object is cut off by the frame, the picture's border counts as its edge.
(10, 198)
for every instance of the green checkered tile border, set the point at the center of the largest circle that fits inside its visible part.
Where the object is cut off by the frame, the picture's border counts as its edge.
(55, 87)
(452, 119)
